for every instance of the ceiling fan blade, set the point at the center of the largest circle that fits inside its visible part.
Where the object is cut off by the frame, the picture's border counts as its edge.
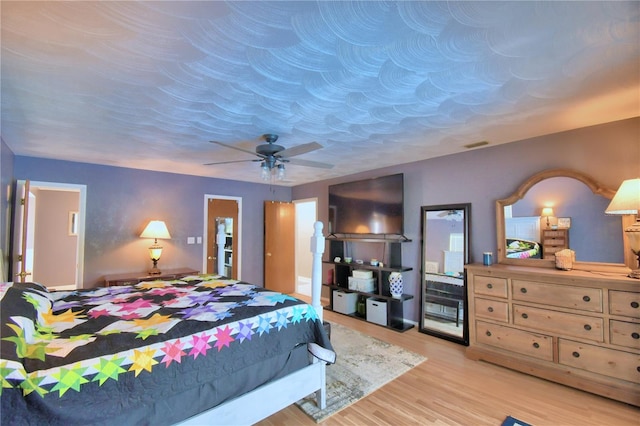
(308, 163)
(227, 162)
(299, 149)
(235, 147)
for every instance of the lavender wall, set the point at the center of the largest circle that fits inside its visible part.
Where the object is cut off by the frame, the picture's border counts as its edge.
(121, 201)
(609, 153)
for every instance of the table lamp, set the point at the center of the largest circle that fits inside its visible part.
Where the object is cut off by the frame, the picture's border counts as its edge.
(155, 229)
(627, 201)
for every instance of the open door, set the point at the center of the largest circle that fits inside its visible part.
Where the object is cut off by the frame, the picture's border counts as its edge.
(279, 246)
(223, 212)
(22, 254)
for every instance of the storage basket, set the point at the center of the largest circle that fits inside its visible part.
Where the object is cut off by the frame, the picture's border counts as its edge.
(565, 259)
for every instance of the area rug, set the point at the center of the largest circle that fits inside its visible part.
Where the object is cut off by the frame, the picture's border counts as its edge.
(363, 365)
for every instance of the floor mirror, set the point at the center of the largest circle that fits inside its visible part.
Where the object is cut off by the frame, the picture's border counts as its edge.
(445, 251)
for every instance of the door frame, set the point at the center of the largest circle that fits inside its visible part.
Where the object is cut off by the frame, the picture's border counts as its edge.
(237, 256)
(81, 218)
(300, 242)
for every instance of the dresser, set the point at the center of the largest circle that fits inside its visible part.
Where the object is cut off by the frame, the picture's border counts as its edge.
(136, 277)
(577, 328)
(554, 240)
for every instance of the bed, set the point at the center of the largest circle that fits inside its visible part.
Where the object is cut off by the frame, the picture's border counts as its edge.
(522, 237)
(203, 349)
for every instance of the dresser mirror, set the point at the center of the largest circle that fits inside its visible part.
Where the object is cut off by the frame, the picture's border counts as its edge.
(445, 242)
(529, 236)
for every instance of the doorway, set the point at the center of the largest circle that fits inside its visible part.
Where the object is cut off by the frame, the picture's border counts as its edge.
(225, 213)
(49, 228)
(306, 214)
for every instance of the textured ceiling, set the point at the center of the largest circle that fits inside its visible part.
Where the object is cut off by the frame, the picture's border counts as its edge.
(148, 84)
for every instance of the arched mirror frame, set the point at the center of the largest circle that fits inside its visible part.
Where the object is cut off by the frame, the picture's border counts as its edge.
(596, 188)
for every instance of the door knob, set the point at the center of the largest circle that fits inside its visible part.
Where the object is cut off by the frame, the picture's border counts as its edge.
(268, 254)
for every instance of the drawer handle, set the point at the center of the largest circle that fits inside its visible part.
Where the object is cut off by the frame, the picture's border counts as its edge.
(576, 355)
(488, 333)
(536, 345)
(586, 299)
(525, 316)
(489, 285)
(587, 327)
(523, 290)
(635, 335)
(490, 309)
(634, 305)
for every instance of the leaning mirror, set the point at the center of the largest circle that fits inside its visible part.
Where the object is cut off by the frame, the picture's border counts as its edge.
(445, 242)
(555, 210)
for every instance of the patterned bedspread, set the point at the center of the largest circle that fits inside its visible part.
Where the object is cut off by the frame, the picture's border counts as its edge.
(88, 356)
(522, 249)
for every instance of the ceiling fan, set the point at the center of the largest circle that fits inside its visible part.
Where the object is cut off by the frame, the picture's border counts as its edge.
(272, 155)
(451, 214)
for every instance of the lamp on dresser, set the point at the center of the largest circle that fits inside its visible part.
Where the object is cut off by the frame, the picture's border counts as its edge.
(547, 212)
(627, 201)
(155, 229)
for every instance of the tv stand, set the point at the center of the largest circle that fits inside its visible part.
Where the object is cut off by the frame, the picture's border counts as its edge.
(387, 251)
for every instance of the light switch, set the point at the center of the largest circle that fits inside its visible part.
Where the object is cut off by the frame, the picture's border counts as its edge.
(191, 240)
(199, 240)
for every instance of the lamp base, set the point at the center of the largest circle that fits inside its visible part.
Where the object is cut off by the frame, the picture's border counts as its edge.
(155, 270)
(634, 274)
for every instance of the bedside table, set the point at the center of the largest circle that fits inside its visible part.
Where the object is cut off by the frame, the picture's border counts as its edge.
(135, 278)
(554, 240)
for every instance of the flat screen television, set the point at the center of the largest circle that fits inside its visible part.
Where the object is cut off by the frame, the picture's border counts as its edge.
(371, 206)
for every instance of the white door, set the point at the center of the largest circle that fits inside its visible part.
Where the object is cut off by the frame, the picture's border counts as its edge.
(22, 235)
(306, 216)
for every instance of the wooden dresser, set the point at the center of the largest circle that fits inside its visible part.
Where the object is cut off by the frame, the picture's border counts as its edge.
(554, 240)
(135, 278)
(578, 328)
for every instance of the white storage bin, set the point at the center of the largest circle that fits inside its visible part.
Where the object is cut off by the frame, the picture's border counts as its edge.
(362, 284)
(344, 302)
(377, 311)
(360, 273)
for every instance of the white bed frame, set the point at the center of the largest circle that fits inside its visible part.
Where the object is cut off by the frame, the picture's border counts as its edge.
(272, 397)
(524, 228)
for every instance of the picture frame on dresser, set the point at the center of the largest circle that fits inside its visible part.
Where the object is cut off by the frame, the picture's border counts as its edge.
(564, 222)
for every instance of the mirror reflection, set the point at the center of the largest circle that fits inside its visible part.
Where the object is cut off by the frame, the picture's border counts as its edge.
(224, 246)
(444, 254)
(558, 213)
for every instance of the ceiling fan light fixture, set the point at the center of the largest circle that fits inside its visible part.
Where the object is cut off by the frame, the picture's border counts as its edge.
(264, 171)
(281, 172)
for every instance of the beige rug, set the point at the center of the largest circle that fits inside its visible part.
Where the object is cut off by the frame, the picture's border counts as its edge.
(363, 365)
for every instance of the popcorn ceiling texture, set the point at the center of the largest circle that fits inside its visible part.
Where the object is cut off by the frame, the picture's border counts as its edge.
(148, 84)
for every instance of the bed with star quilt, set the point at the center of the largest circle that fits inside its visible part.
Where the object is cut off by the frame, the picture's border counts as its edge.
(154, 353)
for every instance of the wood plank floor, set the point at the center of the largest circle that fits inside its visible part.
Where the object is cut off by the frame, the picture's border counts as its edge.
(449, 389)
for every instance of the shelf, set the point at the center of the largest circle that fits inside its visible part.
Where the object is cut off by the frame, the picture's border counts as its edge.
(405, 325)
(370, 294)
(366, 238)
(370, 267)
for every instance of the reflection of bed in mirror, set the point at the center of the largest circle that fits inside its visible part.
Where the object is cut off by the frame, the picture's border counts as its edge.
(523, 236)
(444, 296)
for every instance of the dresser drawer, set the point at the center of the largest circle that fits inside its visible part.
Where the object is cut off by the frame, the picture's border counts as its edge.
(610, 362)
(625, 334)
(583, 298)
(491, 309)
(560, 323)
(625, 303)
(514, 340)
(490, 286)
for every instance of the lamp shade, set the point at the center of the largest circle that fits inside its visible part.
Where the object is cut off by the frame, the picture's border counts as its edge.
(547, 211)
(627, 198)
(156, 229)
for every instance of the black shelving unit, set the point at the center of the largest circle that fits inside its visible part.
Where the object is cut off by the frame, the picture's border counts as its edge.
(392, 260)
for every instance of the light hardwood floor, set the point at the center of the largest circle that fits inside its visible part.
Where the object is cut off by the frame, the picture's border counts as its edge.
(449, 389)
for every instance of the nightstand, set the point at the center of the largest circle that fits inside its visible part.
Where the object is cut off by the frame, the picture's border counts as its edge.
(135, 278)
(554, 240)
